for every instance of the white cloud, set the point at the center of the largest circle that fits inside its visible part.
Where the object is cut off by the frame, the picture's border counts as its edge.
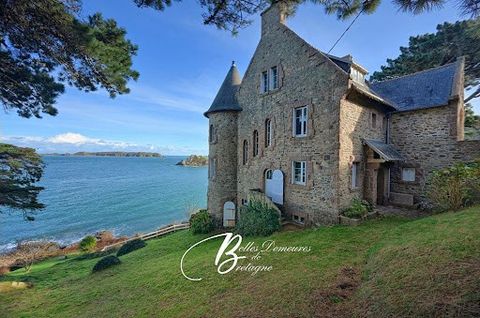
(73, 142)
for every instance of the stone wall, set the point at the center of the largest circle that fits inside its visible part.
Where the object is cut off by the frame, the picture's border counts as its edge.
(222, 184)
(356, 124)
(307, 78)
(429, 139)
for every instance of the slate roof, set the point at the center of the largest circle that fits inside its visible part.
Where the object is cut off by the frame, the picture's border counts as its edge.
(386, 151)
(226, 99)
(425, 89)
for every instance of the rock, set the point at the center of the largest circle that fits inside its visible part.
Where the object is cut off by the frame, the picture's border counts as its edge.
(194, 161)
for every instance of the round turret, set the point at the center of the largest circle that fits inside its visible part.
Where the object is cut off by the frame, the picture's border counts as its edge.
(222, 154)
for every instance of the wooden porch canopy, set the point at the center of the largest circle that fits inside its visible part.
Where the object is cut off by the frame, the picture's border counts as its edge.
(385, 152)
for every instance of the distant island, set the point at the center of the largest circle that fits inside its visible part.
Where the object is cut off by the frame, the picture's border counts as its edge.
(194, 161)
(108, 154)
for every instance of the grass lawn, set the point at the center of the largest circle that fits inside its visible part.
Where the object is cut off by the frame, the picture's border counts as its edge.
(383, 268)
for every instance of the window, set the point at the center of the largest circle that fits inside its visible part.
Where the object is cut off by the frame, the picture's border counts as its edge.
(299, 219)
(212, 167)
(245, 151)
(264, 82)
(408, 174)
(300, 121)
(355, 175)
(255, 143)
(274, 78)
(299, 172)
(268, 133)
(244, 201)
(269, 174)
(211, 133)
(374, 120)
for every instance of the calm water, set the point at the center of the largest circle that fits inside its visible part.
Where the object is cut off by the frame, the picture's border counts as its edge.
(125, 195)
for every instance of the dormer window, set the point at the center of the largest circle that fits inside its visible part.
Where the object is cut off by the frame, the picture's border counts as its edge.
(357, 75)
(265, 82)
(274, 78)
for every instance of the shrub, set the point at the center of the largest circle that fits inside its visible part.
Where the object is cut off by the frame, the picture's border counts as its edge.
(88, 243)
(258, 219)
(201, 222)
(358, 209)
(106, 262)
(454, 187)
(131, 246)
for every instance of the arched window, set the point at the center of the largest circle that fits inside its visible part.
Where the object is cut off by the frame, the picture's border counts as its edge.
(211, 133)
(268, 133)
(255, 143)
(245, 151)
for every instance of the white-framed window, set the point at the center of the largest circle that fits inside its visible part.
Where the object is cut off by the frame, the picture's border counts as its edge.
(255, 143)
(299, 219)
(355, 175)
(212, 167)
(274, 77)
(408, 174)
(300, 121)
(265, 82)
(268, 133)
(245, 151)
(299, 172)
(244, 202)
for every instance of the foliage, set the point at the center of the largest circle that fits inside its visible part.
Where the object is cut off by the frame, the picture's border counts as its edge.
(88, 243)
(471, 120)
(454, 187)
(106, 262)
(131, 246)
(358, 209)
(20, 169)
(452, 40)
(26, 253)
(44, 44)
(201, 222)
(257, 218)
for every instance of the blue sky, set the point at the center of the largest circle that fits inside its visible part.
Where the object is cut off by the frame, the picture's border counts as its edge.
(182, 64)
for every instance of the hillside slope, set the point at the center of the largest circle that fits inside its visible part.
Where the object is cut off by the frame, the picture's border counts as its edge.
(382, 268)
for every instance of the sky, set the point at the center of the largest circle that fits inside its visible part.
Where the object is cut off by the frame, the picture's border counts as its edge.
(182, 63)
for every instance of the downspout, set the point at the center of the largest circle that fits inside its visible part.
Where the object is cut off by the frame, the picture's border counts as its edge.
(387, 133)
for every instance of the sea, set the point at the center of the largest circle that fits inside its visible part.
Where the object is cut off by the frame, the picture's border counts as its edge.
(125, 195)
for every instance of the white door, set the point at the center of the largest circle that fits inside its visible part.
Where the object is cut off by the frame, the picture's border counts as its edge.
(229, 214)
(274, 185)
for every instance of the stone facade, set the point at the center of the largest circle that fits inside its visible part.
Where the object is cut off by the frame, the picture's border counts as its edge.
(342, 114)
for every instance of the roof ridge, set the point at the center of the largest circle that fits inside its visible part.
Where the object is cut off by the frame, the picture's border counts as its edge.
(415, 73)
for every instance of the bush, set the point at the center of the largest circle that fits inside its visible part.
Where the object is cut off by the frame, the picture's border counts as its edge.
(131, 246)
(258, 219)
(201, 222)
(358, 209)
(106, 262)
(455, 187)
(88, 243)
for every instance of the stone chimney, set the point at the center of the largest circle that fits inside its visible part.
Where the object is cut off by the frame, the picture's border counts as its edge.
(273, 16)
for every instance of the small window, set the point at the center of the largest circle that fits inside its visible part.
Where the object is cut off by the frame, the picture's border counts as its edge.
(299, 219)
(268, 133)
(264, 82)
(244, 202)
(299, 172)
(269, 174)
(255, 143)
(212, 167)
(211, 134)
(245, 151)
(300, 121)
(408, 174)
(374, 120)
(355, 175)
(274, 78)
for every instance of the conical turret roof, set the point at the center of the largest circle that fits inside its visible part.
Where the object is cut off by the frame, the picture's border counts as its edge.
(226, 99)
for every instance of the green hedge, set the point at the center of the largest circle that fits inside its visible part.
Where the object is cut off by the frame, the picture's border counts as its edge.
(258, 219)
(88, 243)
(201, 222)
(106, 262)
(131, 246)
(358, 209)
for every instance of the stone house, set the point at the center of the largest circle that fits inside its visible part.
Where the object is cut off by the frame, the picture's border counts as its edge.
(307, 131)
